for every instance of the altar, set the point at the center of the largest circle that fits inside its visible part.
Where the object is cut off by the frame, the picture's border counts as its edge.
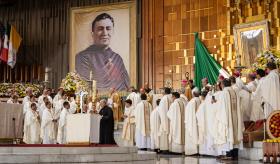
(82, 128)
(11, 123)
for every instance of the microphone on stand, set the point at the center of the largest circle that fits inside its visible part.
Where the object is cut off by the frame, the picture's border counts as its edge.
(14, 127)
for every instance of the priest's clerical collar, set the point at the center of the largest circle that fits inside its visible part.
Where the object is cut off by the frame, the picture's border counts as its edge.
(100, 47)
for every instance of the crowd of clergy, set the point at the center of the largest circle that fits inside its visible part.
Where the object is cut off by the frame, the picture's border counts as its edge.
(45, 117)
(192, 121)
(206, 121)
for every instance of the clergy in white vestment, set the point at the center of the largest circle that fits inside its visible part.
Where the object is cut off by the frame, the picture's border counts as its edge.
(73, 105)
(257, 107)
(252, 84)
(128, 133)
(13, 100)
(244, 98)
(58, 109)
(61, 134)
(228, 123)
(58, 96)
(133, 96)
(191, 130)
(164, 105)
(31, 128)
(45, 94)
(43, 106)
(201, 123)
(92, 107)
(183, 97)
(176, 115)
(205, 84)
(48, 134)
(155, 125)
(142, 122)
(205, 118)
(59, 104)
(255, 104)
(269, 90)
(239, 83)
(27, 97)
(27, 104)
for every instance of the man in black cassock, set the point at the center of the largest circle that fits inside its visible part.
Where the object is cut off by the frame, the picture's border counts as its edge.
(106, 135)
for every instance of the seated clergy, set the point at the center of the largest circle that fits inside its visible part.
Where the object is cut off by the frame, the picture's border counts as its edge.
(32, 126)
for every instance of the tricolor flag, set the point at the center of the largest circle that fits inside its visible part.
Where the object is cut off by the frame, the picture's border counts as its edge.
(205, 65)
(14, 44)
(4, 49)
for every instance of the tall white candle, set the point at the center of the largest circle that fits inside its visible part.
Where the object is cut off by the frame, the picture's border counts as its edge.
(46, 74)
(90, 75)
(93, 89)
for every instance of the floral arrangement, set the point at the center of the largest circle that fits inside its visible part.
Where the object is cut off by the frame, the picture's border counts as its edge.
(19, 88)
(262, 59)
(73, 82)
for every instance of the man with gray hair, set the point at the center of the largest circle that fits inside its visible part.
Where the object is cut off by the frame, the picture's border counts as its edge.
(106, 135)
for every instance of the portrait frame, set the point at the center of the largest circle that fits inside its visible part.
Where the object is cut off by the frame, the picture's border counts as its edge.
(131, 6)
(241, 29)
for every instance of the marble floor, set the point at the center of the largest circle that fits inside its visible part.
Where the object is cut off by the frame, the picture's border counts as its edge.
(178, 159)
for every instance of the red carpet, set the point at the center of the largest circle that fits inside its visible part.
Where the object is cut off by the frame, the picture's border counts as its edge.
(56, 145)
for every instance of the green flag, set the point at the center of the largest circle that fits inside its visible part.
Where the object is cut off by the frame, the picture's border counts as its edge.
(205, 65)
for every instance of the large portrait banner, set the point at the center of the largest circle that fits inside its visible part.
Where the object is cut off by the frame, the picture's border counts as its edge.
(103, 45)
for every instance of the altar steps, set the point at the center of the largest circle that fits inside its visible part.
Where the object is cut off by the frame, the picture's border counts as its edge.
(255, 153)
(75, 155)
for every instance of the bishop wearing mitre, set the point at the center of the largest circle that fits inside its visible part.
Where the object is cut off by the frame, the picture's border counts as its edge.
(142, 122)
(191, 131)
(164, 105)
(176, 115)
(32, 126)
(116, 104)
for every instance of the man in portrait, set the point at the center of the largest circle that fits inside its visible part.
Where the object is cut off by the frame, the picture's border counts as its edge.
(107, 67)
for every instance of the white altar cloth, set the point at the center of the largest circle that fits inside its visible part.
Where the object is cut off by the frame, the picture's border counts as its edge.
(82, 128)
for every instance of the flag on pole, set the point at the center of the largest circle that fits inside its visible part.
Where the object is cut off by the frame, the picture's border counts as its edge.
(2, 34)
(205, 65)
(4, 49)
(14, 44)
